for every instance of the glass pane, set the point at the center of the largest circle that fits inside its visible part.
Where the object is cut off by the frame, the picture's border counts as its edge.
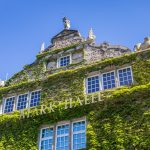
(22, 101)
(125, 77)
(93, 84)
(48, 132)
(62, 142)
(109, 80)
(79, 135)
(65, 61)
(35, 98)
(9, 105)
(47, 144)
(47, 139)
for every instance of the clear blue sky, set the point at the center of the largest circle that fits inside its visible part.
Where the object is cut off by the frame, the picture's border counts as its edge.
(25, 24)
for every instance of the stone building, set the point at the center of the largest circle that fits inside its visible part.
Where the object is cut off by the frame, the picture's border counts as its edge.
(62, 100)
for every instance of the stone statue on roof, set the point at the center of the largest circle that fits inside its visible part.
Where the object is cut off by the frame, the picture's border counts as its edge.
(66, 23)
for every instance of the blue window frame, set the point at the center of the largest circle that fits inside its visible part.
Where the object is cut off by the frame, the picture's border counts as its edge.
(9, 104)
(35, 98)
(62, 140)
(46, 139)
(109, 80)
(79, 135)
(22, 101)
(64, 61)
(125, 76)
(93, 84)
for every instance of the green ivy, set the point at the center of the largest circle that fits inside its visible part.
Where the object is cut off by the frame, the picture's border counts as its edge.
(120, 121)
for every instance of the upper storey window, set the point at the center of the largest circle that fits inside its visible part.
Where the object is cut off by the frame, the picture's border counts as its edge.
(125, 76)
(64, 61)
(109, 80)
(93, 84)
(22, 101)
(9, 105)
(35, 98)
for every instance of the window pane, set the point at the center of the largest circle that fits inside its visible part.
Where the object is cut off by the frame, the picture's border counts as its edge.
(93, 84)
(47, 139)
(62, 140)
(35, 98)
(64, 61)
(109, 80)
(9, 104)
(79, 135)
(125, 76)
(46, 144)
(48, 132)
(22, 101)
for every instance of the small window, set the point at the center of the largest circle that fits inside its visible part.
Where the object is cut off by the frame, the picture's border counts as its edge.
(125, 76)
(64, 61)
(9, 104)
(93, 84)
(109, 80)
(79, 135)
(22, 101)
(62, 140)
(46, 139)
(35, 98)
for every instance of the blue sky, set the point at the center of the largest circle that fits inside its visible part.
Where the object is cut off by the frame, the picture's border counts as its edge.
(25, 24)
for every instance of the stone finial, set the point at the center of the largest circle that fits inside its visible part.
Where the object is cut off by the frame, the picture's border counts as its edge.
(91, 35)
(66, 23)
(2, 83)
(42, 47)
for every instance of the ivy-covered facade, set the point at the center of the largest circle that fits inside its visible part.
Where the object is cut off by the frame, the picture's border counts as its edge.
(78, 95)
